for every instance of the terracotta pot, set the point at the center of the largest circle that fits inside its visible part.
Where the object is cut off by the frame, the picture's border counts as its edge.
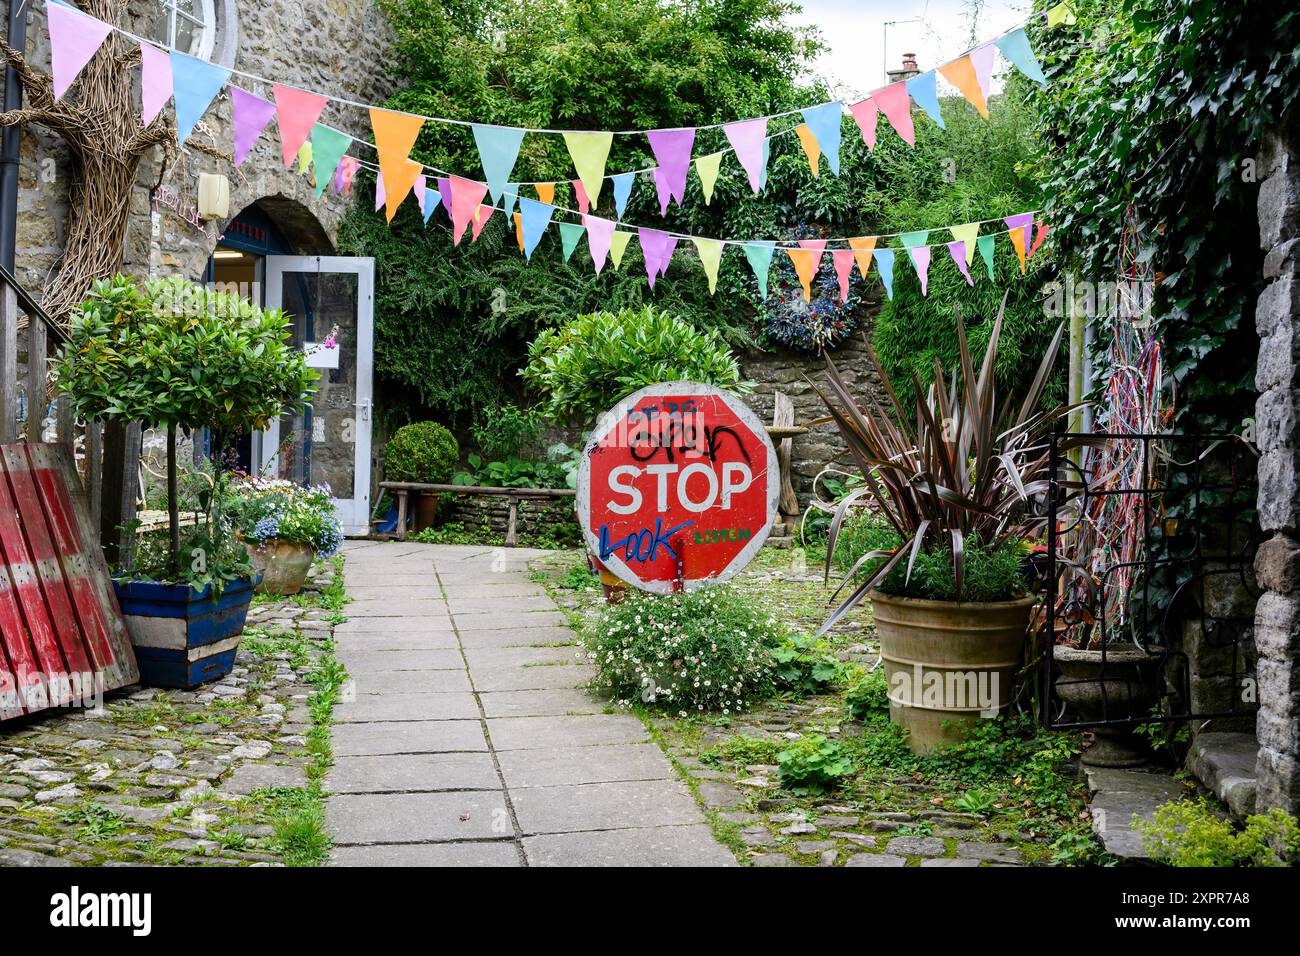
(282, 564)
(424, 511)
(1122, 687)
(948, 663)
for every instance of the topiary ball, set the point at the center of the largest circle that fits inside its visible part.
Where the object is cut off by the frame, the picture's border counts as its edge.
(421, 452)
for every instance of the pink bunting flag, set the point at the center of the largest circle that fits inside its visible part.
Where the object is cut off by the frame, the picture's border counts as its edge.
(346, 172)
(921, 260)
(381, 196)
(1038, 239)
(864, 114)
(480, 219)
(657, 249)
(982, 59)
(747, 139)
(250, 115)
(74, 39)
(155, 81)
(662, 189)
(672, 151)
(599, 234)
(580, 191)
(421, 183)
(843, 259)
(894, 102)
(958, 252)
(297, 112)
(466, 197)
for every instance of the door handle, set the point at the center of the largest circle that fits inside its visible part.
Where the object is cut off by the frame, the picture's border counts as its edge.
(364, 405)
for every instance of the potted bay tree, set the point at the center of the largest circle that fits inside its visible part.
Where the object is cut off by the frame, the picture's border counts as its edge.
(179, 356)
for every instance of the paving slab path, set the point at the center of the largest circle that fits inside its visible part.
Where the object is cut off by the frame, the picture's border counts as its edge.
(466, 738)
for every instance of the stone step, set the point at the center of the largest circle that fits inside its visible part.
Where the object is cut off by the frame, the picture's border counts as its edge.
(1225, 763)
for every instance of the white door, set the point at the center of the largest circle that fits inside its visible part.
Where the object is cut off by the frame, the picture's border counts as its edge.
(329, 441)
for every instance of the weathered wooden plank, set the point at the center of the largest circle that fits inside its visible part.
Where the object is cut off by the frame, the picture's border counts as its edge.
(783, 414)
(65, 421)
(37, 370)
(95, 470)
(120, 479)
(8, 362)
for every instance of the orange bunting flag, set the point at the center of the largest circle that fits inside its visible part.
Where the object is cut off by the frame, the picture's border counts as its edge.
(863, 247)
(961, 74)
(1018, 241)
(545, 193)
(811, 148)
(806, 259)
(395, 135)
(519, 231)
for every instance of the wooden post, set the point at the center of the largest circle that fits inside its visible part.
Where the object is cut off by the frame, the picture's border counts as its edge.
(401, 515)
(8, 363)
(122, 444)
(783, 414)
(95, 470)
(512, 522)
(65, 424)
(36, 372)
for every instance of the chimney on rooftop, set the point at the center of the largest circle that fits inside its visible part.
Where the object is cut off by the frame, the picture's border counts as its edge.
(909, 69)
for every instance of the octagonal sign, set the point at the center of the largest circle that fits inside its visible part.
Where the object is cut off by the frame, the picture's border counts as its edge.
(678, 487)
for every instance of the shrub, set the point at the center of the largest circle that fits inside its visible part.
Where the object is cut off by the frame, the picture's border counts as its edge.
(586, 365)
(422, 452)
(804, 664)
(708, 650)
(1188, 833)
(813, 764)
(263, 509)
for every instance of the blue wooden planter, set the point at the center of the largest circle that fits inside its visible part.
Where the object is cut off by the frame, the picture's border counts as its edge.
(182, 637)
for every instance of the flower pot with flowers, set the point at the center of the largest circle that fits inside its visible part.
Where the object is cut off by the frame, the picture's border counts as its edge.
(175, 355)
(286, 527)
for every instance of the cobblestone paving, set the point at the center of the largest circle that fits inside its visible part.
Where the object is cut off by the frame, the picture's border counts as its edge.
(214, 776)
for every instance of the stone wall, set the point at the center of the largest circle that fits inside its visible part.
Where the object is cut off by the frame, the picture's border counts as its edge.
(1277, 417)
(534, 518)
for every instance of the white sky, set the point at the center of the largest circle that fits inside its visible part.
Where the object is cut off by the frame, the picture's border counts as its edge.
(857, 31)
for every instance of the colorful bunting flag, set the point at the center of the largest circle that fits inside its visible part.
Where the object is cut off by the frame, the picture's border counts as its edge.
(811, 148)
(432, 200)
(297, 112)
(657, 248)
(672, 151)
(759, 255)
(893, 101)
(862, 247)
(1021, 233)
(1061, 13)
(195, 84)
(421, 185)
(985, 246)
(344, 175)
(924, 90)
(843, 259)
(570, 234)
(580, 194)
(519, 230)
(1038, 238)
(444, 190)
(466, 197)
(981, 59)
(304, 158)
(885, 266)
(536, 216)
(749, 138)
(599, 236)
(379, 191)
(155, 81)
(662, 190)
(618, 241)
(545, 192)
(511, 194)
(707, 167)
(589, 152)
(498, 148)
(825, 124)
(806, 260)
(912, 239)
(864, 114)
(966, 235)
(959, 255)
(249, 115)
(1015, 47)
(327, 148)
(74, 38)
(920, 256)
(395, 135)
(961, 74)
(622, 190)
(481, 217)
(710, 253)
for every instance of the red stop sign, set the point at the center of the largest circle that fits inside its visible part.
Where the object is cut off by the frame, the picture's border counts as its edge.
(678, 487)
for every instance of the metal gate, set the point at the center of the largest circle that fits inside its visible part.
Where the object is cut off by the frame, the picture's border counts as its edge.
(1150, 544)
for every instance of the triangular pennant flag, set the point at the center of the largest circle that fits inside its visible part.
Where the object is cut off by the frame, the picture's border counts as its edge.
(924, 89)
(589, 152)
(297, 112)
(959, 255)
(304, 158)
(806, 260)
(570, 234)
(618, 241)
(1061, 13)
(966, 235)
(710, 253)
(894, 103)
(811, 148)
(395, 135)
(155, 82)
(195, 84)
(1040, 235)
(545, 192)
(961, 74)
(511, 195)
(1015, 47)
(707, 167)
(580, 194)
(498, 148)
(249, 115)
(599, 236)
(1018, 243)
(759, 255)
(344, 175)
(1020, 226)
(824, 122)
(432, 200)
(748, 138)
(74, 39)
(420, 187)
(981, 59)
(519, 230)
(327, 149)
(481, 217)
(762, 172)
(400, 185)
(662, 190)
(657, 248)
(918, 238)
(379, 191)
(466, 197)
(985, 246)
(444, 190)
(885, 266)
(672, 151)
(864, 114)
(921, 261)
(536, 217)
(622, 190)
(862, 247)
(843, 259)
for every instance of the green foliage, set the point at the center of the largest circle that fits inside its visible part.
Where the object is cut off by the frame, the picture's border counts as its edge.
(265, 509)
(577, 576)
(703, 651)
(503, 431)
(805, 664)
(558, 470)
(421, 452)
(94, 820)
(586, 365)
(869, 696)
(813, 764)
(1189, 833)
(744, 750)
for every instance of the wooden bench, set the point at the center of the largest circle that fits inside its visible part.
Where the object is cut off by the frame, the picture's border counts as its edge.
(403, 489)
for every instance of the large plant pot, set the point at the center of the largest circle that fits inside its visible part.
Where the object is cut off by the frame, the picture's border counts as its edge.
(948, 663)
(1122, 687)
(182, 637)
(283, 565)
(424, 510)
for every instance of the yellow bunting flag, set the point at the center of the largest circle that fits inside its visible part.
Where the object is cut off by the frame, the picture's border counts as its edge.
(710, 253)
(395, 135)
(967, 234)
(519, 230)
(811, 148)
(961, 74)
(1061, 13)
(304, 158)
(707, 167)
(863, 247)
(805, 264)
(618, 241)
(545, 193)
(1018, 241)
(589, 152)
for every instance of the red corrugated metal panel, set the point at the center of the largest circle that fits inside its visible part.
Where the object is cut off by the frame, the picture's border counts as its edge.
(63, 639)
